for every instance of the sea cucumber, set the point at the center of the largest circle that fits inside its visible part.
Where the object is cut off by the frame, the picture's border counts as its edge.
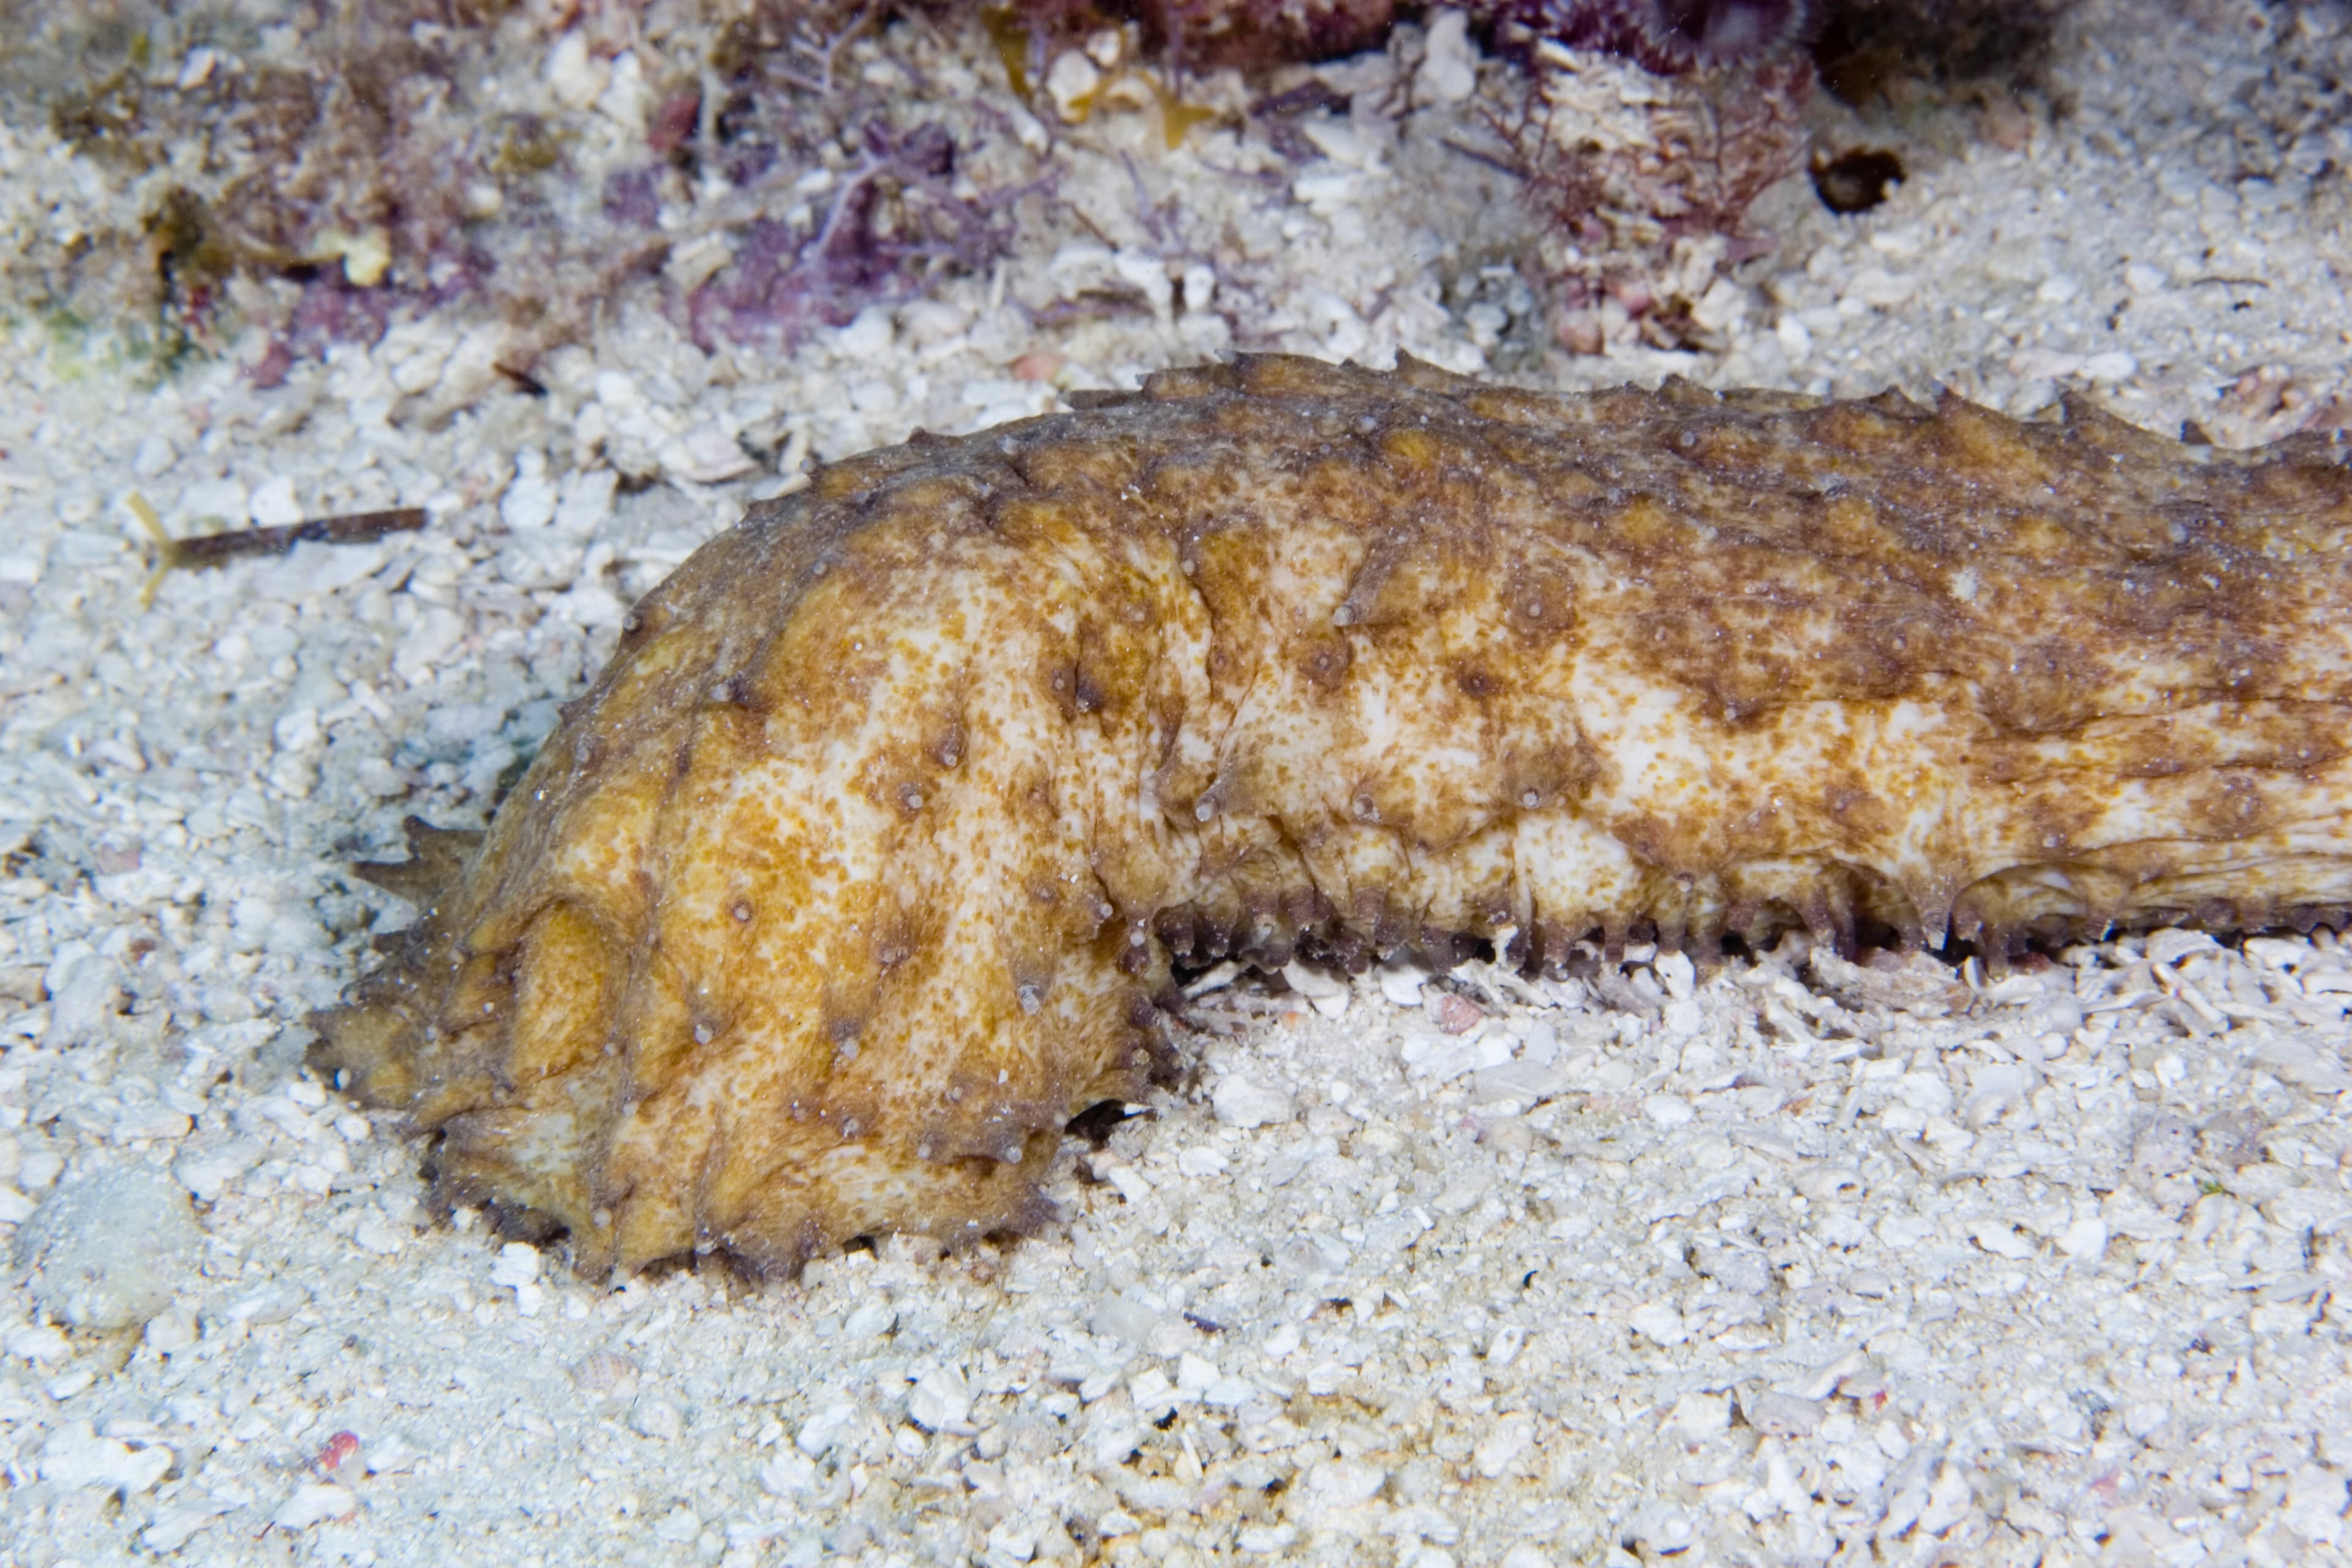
(864, 864)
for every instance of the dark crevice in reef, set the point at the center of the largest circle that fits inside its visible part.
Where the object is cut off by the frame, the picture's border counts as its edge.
(1886, 50)
(1098, 1121)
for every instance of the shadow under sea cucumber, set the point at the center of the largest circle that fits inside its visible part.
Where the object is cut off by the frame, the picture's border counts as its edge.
(864, 864)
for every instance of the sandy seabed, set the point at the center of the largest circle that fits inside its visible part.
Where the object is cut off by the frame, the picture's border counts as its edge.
(1787, 1263)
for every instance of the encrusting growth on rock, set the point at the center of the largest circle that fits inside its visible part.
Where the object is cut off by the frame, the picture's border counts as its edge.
(864, 864)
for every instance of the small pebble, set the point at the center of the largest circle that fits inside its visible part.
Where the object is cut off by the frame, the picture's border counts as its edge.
(940, 1399)
(1240, 1100)
(106, 1250)
(75, 1457)
(657, 1418)
(315, 1504)
(1777, 1414)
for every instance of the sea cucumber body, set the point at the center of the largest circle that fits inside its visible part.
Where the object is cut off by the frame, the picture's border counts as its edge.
(862, 867)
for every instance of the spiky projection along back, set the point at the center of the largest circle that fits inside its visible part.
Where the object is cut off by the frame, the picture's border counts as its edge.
(863, 864)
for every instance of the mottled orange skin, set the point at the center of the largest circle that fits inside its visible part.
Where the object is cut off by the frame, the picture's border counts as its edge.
(859, 869)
